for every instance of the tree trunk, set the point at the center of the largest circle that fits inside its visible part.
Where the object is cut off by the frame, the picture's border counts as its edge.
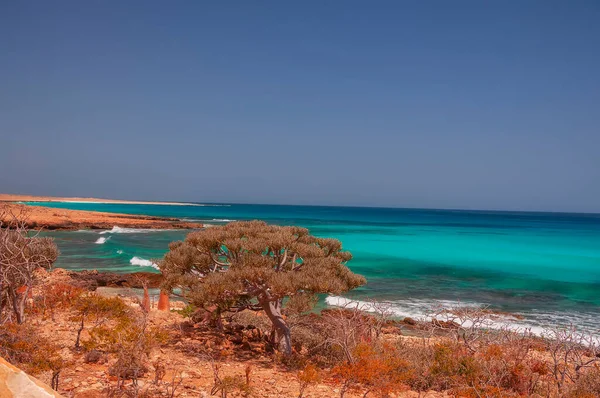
(55, 376)
(18, 299)
(1, 300)
(163, 301)
(21, 309)
(273, 311)
(79, 333)
(146, 300)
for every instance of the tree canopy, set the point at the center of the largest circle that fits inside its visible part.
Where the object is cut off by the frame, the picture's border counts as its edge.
(255, 265)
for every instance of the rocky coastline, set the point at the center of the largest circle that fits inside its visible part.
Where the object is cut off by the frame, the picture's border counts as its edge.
(53, 219)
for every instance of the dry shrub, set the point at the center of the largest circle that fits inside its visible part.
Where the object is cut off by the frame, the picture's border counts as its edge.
(572, 352)
(132, 340)
(586, 386)
(22, 253)
(420, 356)
(98, 310)
(497, 370)
(375, 368)
(22, 346)
(53, 297)
(224, 385)
(331, 337)
(308, 376)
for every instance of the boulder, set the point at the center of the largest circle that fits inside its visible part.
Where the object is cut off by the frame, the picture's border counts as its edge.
(14, 383)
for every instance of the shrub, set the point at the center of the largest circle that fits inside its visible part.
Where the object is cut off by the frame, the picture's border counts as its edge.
(376, 368)
(22, 346)
(586, 386)
(228, 384)
(98, 310)
(308, 376)
(132, 340)
(56, 296)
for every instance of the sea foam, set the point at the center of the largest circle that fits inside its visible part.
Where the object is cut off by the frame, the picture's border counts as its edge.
(421, 309)
(208, 220)
(121, 230)
(142, 262)
(101, 240)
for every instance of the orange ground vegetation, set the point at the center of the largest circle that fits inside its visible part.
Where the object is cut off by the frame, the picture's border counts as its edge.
(125, 351)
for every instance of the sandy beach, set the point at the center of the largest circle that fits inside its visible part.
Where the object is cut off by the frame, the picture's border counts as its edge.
(30, 198)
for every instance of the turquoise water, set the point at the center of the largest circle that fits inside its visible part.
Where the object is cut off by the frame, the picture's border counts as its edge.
(545, 266)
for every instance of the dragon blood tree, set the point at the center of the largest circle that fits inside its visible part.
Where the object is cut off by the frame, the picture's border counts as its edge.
(253, 265)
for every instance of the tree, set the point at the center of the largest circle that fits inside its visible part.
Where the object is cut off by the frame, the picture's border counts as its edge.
(21, 254)
(253, 265)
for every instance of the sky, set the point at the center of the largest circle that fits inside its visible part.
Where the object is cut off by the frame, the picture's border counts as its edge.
(430, 104)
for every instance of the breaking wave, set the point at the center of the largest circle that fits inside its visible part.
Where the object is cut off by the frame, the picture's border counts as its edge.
(538, 323)
(207, 220)
(121, 230)
(142, 262)
(101, 240)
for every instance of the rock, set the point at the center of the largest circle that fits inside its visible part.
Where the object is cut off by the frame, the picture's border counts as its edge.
(445, 324)
(14, 383)
(92, 279)
(79, 369)
(93, 356)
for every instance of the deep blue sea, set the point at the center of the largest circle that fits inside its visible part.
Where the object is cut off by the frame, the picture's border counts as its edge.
(544, 266)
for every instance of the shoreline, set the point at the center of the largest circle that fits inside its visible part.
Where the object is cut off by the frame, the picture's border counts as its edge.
(32, 198)
(54, 219)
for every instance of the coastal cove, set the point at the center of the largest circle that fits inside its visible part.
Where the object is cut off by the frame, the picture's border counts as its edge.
(543, 266)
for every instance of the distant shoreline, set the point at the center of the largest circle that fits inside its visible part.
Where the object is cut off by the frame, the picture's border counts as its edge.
(31, 198)
(48, 218)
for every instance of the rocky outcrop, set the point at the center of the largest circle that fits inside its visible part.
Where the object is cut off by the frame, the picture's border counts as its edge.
(14, 383)
(92, 279)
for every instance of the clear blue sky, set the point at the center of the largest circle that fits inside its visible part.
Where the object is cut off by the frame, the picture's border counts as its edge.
(445, 104)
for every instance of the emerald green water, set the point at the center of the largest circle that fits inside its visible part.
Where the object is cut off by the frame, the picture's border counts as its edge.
(545, 266)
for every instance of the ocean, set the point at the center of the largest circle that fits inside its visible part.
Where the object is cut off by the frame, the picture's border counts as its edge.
(544, 267)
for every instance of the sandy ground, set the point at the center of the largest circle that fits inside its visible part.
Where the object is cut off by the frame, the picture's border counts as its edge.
(29, 198)
(62, 219)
